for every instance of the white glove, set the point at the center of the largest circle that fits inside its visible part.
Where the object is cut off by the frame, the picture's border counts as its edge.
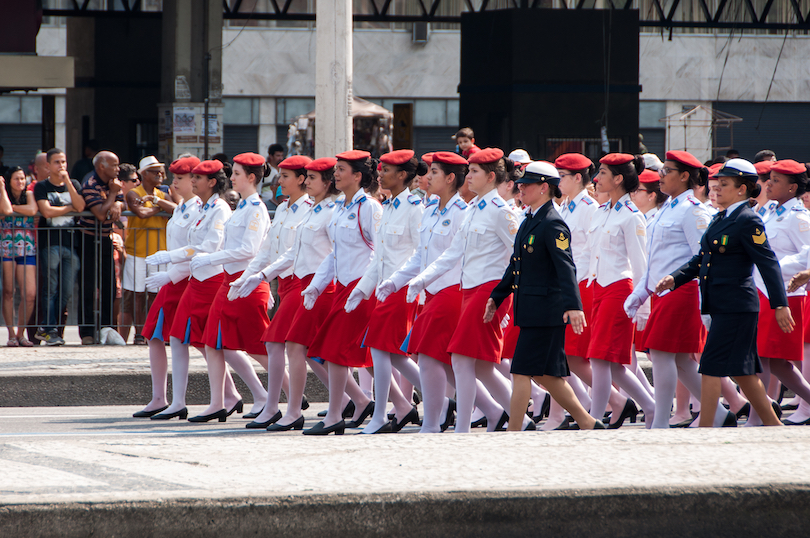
(505, 321)
(707, 321)
(251, 283)
(159, 258)
(200, 260)
(310, 295)
(415, 287)
(233, 292)
(385, 289)
(158, 279)
(632, 304)
(640, 320)
(355, 297)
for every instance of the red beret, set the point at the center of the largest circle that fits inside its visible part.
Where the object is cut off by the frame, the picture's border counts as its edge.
(249, 159)
(713, 169)
(400, 156)
(648, 176)
(684, 157)
(353, 155)
(321, 165)
(296, 162)
(572, 161)
(428, 157)
(184, 165)
(207, 168)
(615, 159)
(448, 157)
(763, 168)
(788, 167)
(486, 156)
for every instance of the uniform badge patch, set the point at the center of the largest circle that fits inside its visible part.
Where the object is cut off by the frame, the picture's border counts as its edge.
(758, 237)
(352, 216)
(641, 230)
(562, 241)
(253, 226)
(446, 222)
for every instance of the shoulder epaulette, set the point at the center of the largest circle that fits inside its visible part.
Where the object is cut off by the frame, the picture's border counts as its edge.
(692, 200)
(308, 201)
(631, 206)
(361, 199)
(255, 202)
(586, 200)
(498, 202)
(414, 199)
(461, 204)
(330, 204)
(432, 201)
(798, 208)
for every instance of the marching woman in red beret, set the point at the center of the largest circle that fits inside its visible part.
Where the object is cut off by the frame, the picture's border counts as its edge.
(280, 237)
(353, 234)
(205, 235)
(310, 246)
(618, 259)
(232, 326)
(397, 239)
(674, 331)
(172, 284)
(788, 232)
(483, 245)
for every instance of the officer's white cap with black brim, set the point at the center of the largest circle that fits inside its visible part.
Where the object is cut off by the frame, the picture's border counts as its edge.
(737, 168)
(539, 172)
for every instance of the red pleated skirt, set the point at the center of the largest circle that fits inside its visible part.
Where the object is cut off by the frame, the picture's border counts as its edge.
(611, 329)
(806, 315)
(192, 310)
(473, 337)
(238, 324)
(576, 345)
(338, 339)
(638, 340)
(306, 323)
(436, 323)
(390, 323)
(510, 338)
(674, 325)
(289, 299)
(161, 314)
(771, 341)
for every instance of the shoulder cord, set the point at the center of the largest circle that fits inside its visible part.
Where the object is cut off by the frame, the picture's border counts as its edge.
(360, 225)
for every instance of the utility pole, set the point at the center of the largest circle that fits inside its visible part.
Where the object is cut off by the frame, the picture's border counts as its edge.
(333, 78)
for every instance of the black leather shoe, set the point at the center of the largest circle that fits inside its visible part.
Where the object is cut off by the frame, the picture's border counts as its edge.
(599, 425)
(530, 427)
(684, 424)
(253, 415)
(298, 424)
(319, 429)
(412, 417)
(744, 410)
(787, 422)
(499, 427)
(630, 411)
(565, 423)
(789, 407)
(237, 408)
(480, 423)
(450, 417)
(546, 407)
(253, 425)
(416, 398)
(220, 415)
(304, 403)
(182, 415)
(348, 411)
(148, 414)
(731, 420)
(385, 428)
(363, 416)
(777, 409)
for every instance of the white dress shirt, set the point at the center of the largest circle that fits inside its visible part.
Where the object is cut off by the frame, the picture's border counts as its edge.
(578, 214)
(311, 245)
(673, 237)
(205, 236)
(788, 232)
(484, 243)
(244, 233)
(619, 243)
(281, 235)
(353, 234)
(436, 233)
(184, 215)
(397, 239)
(765, 211)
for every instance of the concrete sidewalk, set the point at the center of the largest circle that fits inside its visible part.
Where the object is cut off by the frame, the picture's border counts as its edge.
(126, 477)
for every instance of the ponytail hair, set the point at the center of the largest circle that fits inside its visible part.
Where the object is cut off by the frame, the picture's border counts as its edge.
(460, 171)
(412, 168)
(502, 170)
(800, 180)
(698, 177)
(629, 172)
(222, 184)
(586, 173)
(368, 173)
(260, 172)
(752, 188)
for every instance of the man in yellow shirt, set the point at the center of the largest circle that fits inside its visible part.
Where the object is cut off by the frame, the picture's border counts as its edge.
(146, 234)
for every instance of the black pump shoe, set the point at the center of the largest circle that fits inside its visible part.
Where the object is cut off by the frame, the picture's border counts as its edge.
(744, 410)
(630, 411)
(777, 409)
(319, 429)
(363, 416)
(253, 415)
(220, 415)
(298, 424)
(565, 424)
(148, 414)
(731, 420)
(182, 415)
(499, 427)
(253, 425)
(449, 418)
(412, 417)
(530, 427)
(480, 423)
(348, 411)
(304, 403)
(237, 408)
(385, 428)
(599, 425)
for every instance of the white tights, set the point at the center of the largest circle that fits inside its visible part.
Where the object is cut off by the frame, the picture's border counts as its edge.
(217, 359)
(385, 389)
(668, 368)
(604, 374)
(159, 368)
(180, 362)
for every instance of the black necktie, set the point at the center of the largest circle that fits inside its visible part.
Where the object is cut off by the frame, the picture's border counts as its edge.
(720, 216)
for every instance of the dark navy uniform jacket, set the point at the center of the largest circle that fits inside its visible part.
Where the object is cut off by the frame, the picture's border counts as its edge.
(541, 272)
(725, 264)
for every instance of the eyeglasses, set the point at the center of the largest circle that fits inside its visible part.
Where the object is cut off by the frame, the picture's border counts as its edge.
(666, 170)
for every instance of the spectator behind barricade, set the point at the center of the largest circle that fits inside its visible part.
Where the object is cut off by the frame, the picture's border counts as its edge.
(232, 198)
(84, 167)
(269, 188)
(465, 139)
(41, 170)
(18, 245)
(56, 197)
(102, 193)
(146, 234)
(764, 155)
(129, 178)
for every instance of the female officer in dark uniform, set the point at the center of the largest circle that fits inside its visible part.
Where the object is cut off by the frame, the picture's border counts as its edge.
(542, 275)
(733, 243)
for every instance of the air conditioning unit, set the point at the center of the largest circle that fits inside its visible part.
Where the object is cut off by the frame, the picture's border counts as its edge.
(420, 32)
